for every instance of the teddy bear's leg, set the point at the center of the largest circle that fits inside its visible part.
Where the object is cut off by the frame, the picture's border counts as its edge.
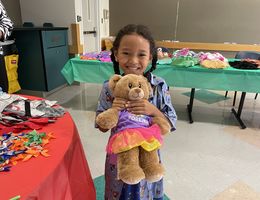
(128, 169)
(149, 161)
(163, 124)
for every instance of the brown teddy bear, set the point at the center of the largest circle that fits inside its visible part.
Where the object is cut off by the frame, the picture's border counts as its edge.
(137, 137)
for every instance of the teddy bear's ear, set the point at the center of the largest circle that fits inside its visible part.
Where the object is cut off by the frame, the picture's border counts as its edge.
(148, 85)
(113, 81)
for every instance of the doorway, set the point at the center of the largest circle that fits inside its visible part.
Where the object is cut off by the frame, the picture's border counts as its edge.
(91, 27)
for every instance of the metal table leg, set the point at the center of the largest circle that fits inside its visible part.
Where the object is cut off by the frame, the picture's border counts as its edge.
(239, 111)
(190, 105)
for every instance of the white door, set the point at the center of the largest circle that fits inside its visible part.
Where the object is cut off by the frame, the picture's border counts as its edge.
(91, 33)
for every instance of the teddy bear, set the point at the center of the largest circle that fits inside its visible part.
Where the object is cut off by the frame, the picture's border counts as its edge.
(137, 137)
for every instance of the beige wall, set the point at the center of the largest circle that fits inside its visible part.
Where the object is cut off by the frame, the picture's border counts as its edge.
(13, 10)
(159, 15)
(198, 20)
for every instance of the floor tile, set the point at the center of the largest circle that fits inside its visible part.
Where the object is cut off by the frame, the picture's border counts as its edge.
(210, 159)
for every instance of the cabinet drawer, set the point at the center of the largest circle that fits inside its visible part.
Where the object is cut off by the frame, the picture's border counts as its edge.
(55, 59)
(54, 38)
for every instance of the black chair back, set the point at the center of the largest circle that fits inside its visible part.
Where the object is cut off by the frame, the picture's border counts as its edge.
(248, 54)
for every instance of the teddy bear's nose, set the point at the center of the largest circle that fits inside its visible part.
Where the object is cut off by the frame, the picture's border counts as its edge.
(137, 90)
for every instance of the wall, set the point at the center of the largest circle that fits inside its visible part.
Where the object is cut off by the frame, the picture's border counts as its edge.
(219, 21)
(198, 20)
(59, 12)
(13, 11)
(159, 16)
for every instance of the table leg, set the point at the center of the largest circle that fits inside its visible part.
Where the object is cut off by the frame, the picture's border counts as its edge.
(239, 111)
(190, 105)
(234, 99)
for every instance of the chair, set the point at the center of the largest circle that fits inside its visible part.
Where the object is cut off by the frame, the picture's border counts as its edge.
(28, 24)
(47, 24)
(244, 55)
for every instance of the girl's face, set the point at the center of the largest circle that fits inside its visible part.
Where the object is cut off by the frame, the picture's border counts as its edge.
(133, 54)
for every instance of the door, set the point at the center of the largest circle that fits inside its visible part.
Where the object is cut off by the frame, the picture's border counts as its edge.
(90, 25)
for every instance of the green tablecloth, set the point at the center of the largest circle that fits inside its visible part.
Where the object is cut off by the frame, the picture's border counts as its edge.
(230, 79)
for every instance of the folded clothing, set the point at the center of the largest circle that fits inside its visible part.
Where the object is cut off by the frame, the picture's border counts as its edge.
(243, 64)
(214, 64)
(185, 61)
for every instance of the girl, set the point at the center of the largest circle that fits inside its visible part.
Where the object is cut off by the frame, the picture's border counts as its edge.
(133, 51)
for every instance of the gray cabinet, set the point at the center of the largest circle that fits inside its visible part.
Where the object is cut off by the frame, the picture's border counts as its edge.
(42, 54)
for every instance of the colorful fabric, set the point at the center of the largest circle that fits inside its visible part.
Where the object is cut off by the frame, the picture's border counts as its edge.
(148, 138)
(214, 64)
(22, 147)
(184, 58)
(211, 56)
(185, 61)
(38, 108)
(213, 60)
(103, 56)
(115, 189)
(129, 120)
(183, 53)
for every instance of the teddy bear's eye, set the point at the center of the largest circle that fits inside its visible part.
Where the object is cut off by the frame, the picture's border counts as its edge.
(130, 85)
(139, 85)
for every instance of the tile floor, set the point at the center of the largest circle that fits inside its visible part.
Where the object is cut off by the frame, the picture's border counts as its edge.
(211, 159)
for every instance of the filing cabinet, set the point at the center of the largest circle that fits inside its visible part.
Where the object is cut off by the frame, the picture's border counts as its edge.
(43, 51)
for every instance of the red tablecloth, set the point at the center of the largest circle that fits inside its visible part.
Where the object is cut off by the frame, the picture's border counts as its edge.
(64, 175)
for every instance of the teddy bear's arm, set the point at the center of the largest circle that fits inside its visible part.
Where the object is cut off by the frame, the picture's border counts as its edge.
(108, 119)
(163, 124)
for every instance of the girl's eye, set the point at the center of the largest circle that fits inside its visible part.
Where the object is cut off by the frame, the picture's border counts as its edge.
(125, 53)
(139, 85)
(130, 85)
(142, 55)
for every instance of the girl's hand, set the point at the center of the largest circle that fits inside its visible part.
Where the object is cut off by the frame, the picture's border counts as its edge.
(119, 104)
(142, 107)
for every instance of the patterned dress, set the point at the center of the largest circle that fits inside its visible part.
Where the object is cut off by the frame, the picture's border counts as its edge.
(6, 25)
(115, 189)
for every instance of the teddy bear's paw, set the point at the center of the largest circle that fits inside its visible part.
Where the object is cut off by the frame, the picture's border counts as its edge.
(154, 173)
(106, 120)
(132, 175)
(105, 124)
(163, 124)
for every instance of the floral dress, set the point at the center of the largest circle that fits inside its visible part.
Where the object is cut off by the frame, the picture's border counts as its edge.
(115, 189)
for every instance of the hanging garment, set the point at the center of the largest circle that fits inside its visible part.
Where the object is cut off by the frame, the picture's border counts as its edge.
(11, 65)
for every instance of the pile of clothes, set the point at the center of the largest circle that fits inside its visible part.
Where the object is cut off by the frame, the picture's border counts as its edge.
(184, 58)
(103, 56)
(246, 64)
(213, 60)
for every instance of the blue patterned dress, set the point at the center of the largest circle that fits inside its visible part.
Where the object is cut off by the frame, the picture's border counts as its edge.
(115, 189)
